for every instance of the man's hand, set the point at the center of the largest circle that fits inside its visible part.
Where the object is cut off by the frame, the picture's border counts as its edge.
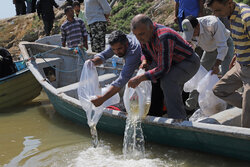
(98, 101)
(176, 20)
(97, 61)
(215, 68)
(232, 63)
(86, 45)
(135, 81)
(144, 64)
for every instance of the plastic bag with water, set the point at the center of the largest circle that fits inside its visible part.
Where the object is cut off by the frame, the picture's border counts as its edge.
(208, 102)
(89, 89)
(192, 84)
(137, 103)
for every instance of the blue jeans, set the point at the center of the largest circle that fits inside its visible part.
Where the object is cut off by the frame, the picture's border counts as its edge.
(29, 6)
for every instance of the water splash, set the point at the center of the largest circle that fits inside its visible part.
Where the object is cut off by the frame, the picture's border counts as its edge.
(133, 143)
(102, 156)
(94, 135)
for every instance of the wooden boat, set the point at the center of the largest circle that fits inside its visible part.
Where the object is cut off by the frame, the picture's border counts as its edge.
(218, 134)
(18, 88)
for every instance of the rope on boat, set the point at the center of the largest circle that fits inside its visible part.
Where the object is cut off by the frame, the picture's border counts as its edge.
(76, 50)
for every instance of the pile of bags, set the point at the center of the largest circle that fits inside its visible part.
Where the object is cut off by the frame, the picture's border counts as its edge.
(203, 82)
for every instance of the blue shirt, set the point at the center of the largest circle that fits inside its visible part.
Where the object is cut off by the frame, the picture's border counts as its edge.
(188, 7)
(132, 60)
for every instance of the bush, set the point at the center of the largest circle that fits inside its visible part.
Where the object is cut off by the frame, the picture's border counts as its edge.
(244, 1)
(122, 14)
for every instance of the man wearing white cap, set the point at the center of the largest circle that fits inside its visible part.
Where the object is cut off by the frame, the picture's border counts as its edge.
(211, 35)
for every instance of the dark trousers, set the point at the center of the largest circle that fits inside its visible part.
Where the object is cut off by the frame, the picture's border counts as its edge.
(33, 7)
(20, 8)
(48, 25)
(157, 100)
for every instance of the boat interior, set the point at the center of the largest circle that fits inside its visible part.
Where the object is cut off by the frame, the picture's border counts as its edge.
(62, 67)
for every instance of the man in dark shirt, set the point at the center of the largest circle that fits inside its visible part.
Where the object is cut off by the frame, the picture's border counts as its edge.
(174, 59)
(7, 66)
(45, 10)
(20, 7)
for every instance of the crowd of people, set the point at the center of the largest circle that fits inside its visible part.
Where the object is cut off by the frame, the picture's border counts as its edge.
(171, 61)
(169, 58)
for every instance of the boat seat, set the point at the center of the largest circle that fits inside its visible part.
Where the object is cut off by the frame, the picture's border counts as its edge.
(68, 87)
(103, 80)
(106, 79)
(231, 117)
(47, 67)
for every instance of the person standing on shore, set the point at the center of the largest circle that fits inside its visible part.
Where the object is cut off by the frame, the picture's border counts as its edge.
(239, 74)
(184, 8)
(20, 7)
(97, 13)
(45, 10)
(73, 30)
(79, 13)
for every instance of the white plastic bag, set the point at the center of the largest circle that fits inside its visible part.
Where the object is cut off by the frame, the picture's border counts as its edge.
(192, 84)
(112, 100)
(89, 89)
(208, 102)
(197, 116)
(137, 101)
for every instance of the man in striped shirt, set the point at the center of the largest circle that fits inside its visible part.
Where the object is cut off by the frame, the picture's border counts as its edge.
(73, 30)
(174, 61)
(239, 75)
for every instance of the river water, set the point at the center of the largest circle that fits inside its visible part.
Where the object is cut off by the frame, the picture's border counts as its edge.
(34, 135)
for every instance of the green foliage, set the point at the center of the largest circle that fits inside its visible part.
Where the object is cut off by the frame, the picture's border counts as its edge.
(244, 1)
(36, 22)
(122, 14)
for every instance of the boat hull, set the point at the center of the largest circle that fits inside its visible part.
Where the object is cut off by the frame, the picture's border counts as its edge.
(18, 88)
(178, 136)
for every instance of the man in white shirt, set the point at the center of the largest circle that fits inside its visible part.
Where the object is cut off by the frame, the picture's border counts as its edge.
(211, 35)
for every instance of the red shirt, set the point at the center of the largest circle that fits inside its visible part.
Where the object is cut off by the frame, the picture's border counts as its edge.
(165, 48)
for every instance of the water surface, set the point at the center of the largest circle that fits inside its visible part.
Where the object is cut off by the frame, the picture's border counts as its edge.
(34, 135)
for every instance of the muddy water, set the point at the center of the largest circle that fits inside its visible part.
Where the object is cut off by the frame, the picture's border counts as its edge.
(33, 135)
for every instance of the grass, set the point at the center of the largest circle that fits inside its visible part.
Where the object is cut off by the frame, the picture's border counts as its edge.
(123, 13)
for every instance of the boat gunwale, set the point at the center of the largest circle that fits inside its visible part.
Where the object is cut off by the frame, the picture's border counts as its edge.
(13, 76)
(231, 131)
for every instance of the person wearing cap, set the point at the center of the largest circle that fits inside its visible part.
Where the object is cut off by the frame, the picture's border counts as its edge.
(173, 58)
(210, 34)
(239, 74)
